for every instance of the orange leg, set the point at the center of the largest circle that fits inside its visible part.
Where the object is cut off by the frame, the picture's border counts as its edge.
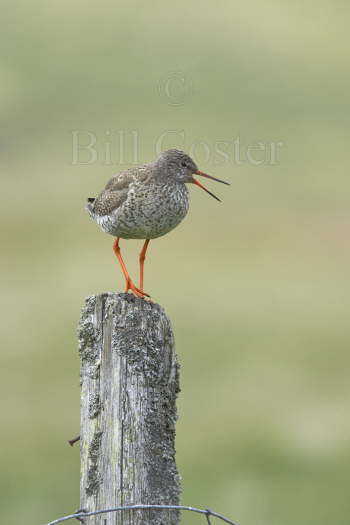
(129, 284)
(142, 261)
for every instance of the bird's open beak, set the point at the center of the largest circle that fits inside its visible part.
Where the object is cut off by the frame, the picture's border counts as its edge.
(195, 181)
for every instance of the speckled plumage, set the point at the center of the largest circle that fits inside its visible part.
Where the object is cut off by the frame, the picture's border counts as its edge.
(146, 201)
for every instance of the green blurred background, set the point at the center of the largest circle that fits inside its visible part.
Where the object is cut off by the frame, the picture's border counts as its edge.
(257, 287)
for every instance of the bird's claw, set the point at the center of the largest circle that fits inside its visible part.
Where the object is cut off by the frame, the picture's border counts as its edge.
(136, 291)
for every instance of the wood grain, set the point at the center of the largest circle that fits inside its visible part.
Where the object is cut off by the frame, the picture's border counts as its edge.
(129, 384)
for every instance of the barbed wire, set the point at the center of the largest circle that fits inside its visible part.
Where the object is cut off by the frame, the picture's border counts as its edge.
(81, 514)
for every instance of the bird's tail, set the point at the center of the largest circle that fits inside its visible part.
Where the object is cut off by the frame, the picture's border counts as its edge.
(90, 204)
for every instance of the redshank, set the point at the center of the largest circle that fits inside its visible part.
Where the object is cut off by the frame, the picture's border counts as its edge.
(146, 202)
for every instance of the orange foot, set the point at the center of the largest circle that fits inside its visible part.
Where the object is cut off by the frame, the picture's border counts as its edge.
(139, 293)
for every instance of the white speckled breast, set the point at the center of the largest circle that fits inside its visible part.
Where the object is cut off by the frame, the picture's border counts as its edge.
(149, 211)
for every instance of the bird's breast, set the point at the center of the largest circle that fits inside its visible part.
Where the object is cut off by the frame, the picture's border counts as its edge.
(152, 211)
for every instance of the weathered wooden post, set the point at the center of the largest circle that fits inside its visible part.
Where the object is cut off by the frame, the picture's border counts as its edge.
(129, 384)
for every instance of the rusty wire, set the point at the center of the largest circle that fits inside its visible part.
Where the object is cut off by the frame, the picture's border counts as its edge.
(81, 514)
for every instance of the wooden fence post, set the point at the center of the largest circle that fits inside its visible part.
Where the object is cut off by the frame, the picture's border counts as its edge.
(129, 384)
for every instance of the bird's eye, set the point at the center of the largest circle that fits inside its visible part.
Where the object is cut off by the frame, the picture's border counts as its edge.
(183, 164)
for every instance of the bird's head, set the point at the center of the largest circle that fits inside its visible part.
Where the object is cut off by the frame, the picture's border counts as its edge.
(178, 165)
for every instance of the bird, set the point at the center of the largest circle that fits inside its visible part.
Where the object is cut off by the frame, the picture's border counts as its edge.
(146, 202)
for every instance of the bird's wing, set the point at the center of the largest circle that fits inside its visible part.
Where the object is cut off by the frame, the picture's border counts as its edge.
(116, 191)
(114, 194)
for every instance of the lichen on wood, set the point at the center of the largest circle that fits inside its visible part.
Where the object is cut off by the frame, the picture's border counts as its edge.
(129, 384)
